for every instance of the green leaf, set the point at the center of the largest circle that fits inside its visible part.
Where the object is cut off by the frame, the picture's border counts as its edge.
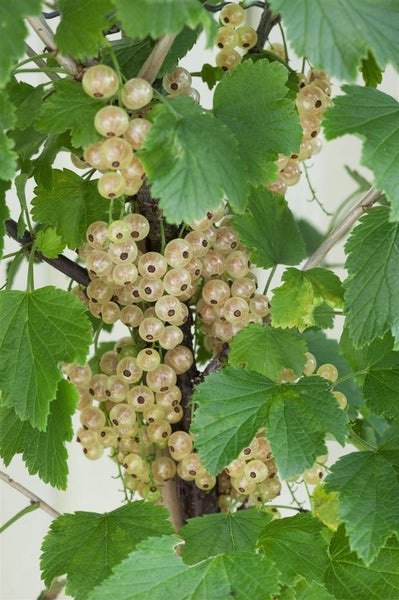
(336, 34)
(294, 302)
(252, 102)
(268, 350)
(305, 591)
(297, 546)
(12, 16)
(371, 72)
(38, 330)
(49, 243)
(43, 452)
(176, 158)
(70, 205)
(43, 164)
(87, 545)
(211, 75)
(269, 230)
(4, 213)
(27, 101)
(140, 18)
(8, 157)
(378, 368)
(221, 533)
(80, 42)
(234, 404)
(70, 108)
(348, 578)
(327, 351)
(325, 506)
(154, 572)
(372, 286)
(373, 116)
(369, 515)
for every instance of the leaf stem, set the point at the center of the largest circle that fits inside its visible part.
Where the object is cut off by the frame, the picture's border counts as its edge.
(349, 376)
(366, 202)
(31, 507)
(23, 490)
(33, 57)
(269, 279)
(359, 442)
(299, 504)
(31, 279)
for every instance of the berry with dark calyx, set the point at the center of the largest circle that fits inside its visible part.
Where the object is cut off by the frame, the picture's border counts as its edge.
(100, 81)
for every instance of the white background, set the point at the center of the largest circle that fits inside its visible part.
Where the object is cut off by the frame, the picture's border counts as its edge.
(91, 484)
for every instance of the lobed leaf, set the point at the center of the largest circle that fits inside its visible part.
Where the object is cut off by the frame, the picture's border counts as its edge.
(269, 230)
(43, 452)
(370, 517)
(154, 572)
(268, 350)
(295, 302)
(38, 330)
(262, 118)
(177, 160)
(86, 545)
(373, 116)
(337, 34)
(234, 404)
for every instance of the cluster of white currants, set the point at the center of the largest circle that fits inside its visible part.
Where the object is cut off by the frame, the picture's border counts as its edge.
(251, 478)
(233, 38)
(311, 102)
(124, 127)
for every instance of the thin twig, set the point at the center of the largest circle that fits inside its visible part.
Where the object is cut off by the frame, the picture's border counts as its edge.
(31, 507)
(35, 499)
(40, 62)
(367, 201)
(150, 68)
(61, 263)
(266, 23)
(41, 28)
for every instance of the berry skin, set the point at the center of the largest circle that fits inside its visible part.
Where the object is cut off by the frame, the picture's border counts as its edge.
(100, 81)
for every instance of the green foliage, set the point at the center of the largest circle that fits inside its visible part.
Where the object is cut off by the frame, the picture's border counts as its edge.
(234, 404)
(369, 113)
(263, 119)
(49, 243)
(87, 545)
(268, 351)
(378, 373)
(358, 477)
(268, 228)
(12, 45)
(348, 578)
(8, 163)
(371, 289)
(4, 213)
(371, 72)
(297, 546)
(71, 38)
(221, 533)
(43, 452)
(70, 205)
(154, 572)
(48, 326)
(336, 35)
(141, 18)
(176, 160)
(69, 108)
(295, 302)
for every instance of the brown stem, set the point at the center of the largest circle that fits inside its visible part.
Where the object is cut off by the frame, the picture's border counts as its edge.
(44, 32)
(61, 263)
(367, 201)
(154, 62)
(266, 23)
(23, 490)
